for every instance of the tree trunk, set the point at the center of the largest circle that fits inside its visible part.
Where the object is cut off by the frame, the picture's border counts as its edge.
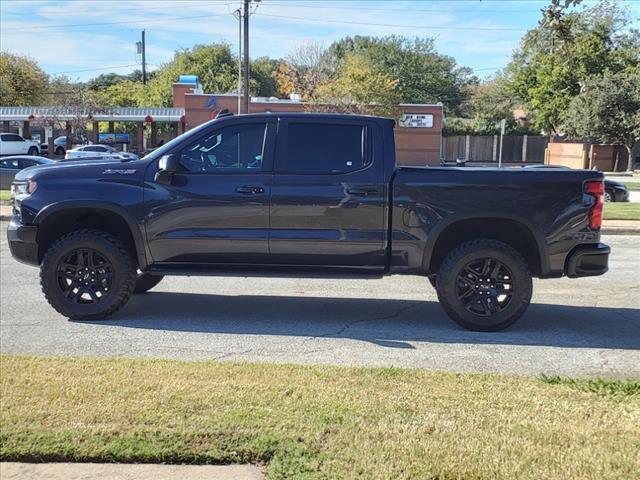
(630, 159)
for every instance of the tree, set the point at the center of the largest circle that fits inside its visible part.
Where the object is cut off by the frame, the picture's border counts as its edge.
(105, 80)
(423, 75)
(73, 105)
(22, 81)
(358, 88)
(262, 82)
(608, 111)
(556, 59)
(122, 94)
(304, 70)
(214, 64)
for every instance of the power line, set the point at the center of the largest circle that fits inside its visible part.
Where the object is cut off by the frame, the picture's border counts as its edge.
(95, 69)
(430, 27)
(128, 10)
(368, 8)
(51, 27)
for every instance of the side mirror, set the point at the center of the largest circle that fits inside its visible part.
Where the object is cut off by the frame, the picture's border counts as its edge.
(167, 166)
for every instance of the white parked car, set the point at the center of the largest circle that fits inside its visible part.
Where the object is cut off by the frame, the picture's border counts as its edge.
(98, 151)
(13, 144)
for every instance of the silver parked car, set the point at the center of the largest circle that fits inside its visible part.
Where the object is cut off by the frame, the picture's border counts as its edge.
(9, 166)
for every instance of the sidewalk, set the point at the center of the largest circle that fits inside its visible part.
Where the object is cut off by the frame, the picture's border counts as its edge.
(621, 227)
(119, 471)
(609, 227)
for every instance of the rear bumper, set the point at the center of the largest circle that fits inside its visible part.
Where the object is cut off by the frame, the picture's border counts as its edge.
(588, 261)
(22, 242)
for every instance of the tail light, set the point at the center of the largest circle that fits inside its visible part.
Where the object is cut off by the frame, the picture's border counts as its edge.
(595, 188)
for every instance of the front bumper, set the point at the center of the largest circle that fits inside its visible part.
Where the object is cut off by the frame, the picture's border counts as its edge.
(588, 261)
(22, 241)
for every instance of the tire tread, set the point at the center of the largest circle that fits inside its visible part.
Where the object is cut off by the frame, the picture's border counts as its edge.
(447, 298)
(125, 288)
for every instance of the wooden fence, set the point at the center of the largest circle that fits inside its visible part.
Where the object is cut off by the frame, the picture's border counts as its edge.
(584, 155)
(475, 148)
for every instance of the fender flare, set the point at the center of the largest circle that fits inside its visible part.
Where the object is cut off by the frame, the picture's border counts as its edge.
(134, 227)
(442, 225)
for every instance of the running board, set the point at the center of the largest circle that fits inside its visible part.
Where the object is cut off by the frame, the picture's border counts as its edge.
(270, 271)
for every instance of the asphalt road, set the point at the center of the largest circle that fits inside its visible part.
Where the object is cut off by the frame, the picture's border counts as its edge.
(586, 327)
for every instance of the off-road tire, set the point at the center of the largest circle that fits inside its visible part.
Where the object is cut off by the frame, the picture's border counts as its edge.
(122, 281)
(146, 282)
(455, 262)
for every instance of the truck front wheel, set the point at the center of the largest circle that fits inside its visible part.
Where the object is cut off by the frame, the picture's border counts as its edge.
(484, 285)
(87, 275)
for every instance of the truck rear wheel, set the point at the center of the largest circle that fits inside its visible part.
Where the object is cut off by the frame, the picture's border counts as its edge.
(146, 282)
(87, 275)
(484, 285)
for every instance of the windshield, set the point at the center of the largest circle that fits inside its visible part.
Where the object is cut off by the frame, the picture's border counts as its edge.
(170, 145)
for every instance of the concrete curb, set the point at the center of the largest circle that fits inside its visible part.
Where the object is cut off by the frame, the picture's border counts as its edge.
(620, 231)
(119, 471)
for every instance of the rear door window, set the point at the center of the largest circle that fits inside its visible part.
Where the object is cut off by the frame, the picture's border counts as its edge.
(11, 137)
(326, 148)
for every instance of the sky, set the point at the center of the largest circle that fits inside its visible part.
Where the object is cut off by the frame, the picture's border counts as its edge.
(84, 38)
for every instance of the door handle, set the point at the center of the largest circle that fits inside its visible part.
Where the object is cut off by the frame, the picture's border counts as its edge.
(362, 191)
(249, 190)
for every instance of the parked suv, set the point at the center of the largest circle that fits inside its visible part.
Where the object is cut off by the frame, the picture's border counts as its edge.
(303, 195)
(14, 144)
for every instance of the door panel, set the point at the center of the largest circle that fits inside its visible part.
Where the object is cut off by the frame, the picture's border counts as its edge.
(217, 209)
(332, 219)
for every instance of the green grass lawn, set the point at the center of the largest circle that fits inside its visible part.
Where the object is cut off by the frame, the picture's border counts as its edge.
(622, 211)
(318, 422)
(5, 195)
(632, 185)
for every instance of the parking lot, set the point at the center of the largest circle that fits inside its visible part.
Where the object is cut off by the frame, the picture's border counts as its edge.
(586, 327)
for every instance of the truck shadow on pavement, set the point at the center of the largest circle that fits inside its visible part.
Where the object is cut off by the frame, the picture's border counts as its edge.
(385, 322)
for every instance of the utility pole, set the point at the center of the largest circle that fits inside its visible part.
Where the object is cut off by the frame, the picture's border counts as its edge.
(144, 60)
(245, 16)
(238, 15)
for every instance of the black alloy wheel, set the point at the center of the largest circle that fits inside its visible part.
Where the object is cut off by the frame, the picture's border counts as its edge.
(87, 274)
(84, 276)
(485, 286)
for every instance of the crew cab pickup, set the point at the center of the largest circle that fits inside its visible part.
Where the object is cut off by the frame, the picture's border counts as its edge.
(303, 195)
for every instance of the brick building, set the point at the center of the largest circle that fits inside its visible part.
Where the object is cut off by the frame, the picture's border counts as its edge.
(418, 134)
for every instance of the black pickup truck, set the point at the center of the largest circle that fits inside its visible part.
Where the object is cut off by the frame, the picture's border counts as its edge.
(303, 195)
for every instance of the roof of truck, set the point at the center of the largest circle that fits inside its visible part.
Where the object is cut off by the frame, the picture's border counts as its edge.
(309, 115)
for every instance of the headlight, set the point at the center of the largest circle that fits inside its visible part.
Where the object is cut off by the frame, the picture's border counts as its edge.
(23, 188)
